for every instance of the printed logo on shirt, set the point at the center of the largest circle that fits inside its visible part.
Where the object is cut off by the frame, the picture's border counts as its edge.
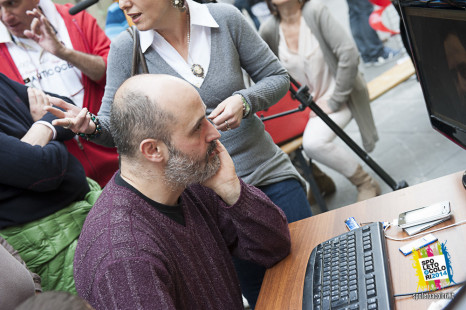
(46, 73)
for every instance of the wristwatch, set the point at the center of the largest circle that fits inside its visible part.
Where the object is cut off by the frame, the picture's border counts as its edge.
(246, 107)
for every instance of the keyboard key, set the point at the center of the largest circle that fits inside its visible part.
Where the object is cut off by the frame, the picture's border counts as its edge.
(353, 296)
(370, 287)
(370, 293)
(339, 302)
(326, 303)
(344, 300)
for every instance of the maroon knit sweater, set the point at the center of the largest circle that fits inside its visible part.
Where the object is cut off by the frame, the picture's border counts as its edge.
(131, 256)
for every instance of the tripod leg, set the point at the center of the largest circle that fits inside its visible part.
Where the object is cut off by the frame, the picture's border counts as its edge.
(303, 96)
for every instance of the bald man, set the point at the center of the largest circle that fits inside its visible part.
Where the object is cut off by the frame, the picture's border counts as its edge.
(162, 233)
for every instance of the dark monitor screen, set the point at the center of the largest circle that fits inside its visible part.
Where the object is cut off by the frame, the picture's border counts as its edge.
(437, 36)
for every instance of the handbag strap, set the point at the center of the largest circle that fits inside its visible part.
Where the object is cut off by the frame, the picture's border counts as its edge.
(138, 56)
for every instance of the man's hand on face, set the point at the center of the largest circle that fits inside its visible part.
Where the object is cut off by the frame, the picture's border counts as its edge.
(225, 182)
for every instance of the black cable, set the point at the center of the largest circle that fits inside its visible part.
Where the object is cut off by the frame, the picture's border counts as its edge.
(425, 292)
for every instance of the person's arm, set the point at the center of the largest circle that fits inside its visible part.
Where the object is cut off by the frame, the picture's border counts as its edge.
(131, 282)
(38, 134)
(253, 227)
(118, 70)
(43, 33)
(32, 167)
(270, 78)
(345, 51)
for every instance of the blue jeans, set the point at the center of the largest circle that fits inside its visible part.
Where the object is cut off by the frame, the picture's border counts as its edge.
(368, 42)
(289, 195)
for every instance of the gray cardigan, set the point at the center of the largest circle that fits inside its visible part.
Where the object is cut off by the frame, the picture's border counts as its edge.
(342, 57)
(234, 45)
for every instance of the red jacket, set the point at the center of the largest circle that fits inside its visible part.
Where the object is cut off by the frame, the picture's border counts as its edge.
(99, 162)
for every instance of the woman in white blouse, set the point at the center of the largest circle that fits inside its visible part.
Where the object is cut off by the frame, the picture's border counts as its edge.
(319, 53)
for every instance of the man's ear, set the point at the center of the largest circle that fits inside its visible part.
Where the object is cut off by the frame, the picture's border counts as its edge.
(153, 150)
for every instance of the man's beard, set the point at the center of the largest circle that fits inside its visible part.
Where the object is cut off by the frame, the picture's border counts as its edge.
(183, 170)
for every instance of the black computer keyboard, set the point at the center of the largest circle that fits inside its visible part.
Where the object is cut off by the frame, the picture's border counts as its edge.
(350, 271)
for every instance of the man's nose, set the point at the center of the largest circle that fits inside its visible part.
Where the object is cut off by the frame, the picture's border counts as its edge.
(212, 133)
(123, 4)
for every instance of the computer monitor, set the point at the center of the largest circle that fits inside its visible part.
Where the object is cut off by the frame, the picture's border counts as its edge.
(436, 32)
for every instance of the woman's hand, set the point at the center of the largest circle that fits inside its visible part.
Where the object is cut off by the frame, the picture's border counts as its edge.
(37, 101)
(73, 118)
(322, 103)
(228, 114)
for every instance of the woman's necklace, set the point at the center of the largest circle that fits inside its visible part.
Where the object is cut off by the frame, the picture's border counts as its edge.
(196, 69)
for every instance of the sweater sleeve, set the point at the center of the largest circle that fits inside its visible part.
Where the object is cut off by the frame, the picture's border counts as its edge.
(270, 78)
(254, 228)
(344, 49)
(118, 70)
(32, 167)
(134, 284)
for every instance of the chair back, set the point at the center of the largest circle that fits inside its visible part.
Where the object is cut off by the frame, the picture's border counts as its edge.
(285, 128)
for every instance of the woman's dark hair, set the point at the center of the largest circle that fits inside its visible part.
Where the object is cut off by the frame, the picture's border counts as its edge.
(273, 8)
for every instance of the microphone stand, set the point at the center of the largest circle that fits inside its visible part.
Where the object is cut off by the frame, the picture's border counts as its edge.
(81, 6)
